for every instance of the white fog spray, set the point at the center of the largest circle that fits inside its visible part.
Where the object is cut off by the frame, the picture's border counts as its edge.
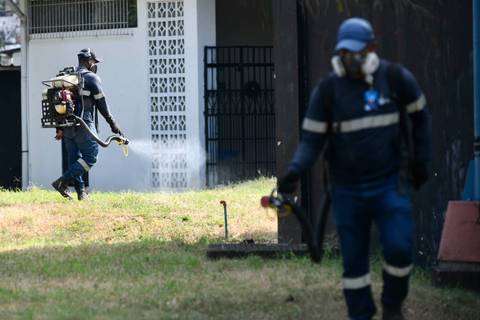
(168, 157)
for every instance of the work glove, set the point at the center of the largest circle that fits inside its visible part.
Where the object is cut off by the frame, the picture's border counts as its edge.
(288, 183)
(115, 129)
(58, 134)
(419, 174)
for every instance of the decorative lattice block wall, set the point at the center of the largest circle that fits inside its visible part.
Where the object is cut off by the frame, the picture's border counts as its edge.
(166, 51)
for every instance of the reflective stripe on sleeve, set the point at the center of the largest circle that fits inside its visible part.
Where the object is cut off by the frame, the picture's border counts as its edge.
(98, 96)
(314, 126)
(417, 105)
(357, 283)
(85, 93)
(84, 164)
(369, 122)
(396, 271)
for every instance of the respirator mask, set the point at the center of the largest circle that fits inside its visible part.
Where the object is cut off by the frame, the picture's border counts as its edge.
(355, 64)
(93, 68)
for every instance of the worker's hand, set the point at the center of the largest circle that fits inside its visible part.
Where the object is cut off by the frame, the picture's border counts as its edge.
(288, 183)
(419, 174)
(59, 134)
(115, 129)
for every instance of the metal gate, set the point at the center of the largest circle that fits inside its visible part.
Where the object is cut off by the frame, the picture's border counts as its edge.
(239, 113)
(11, 128)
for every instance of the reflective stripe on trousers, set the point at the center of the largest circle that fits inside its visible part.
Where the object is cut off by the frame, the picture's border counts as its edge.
(357, 283)
(356, 208)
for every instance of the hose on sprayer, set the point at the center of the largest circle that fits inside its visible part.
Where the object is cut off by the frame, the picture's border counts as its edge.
(116, 137)
(313, 231)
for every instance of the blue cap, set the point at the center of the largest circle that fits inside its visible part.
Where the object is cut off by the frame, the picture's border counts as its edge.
(88, 53)
(354, 35)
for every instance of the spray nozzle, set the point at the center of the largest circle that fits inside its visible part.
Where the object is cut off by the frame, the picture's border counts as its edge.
(122, 140)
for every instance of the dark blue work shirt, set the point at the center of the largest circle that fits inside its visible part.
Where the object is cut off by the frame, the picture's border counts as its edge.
(364, 140)
(91, 95)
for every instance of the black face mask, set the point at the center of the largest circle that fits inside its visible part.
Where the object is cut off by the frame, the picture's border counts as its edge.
(353, 62)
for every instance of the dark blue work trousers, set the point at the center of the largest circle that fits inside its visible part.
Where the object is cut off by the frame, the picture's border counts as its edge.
(82, 153)
(356, 207)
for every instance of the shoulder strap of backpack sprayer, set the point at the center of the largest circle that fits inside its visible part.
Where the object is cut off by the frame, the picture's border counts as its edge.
(397, 90)
(82, 85)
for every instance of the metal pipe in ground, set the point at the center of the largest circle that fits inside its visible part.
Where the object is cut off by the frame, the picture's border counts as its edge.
(225, 217)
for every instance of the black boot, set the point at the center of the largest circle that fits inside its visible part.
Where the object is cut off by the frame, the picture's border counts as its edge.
(82, 195)
(392, 312)
(61, 185)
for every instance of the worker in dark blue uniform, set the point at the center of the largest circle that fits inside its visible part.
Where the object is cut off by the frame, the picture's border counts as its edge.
(361, 109)
(82, 150)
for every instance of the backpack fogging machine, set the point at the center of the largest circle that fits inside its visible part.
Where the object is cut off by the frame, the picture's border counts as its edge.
(59, 98)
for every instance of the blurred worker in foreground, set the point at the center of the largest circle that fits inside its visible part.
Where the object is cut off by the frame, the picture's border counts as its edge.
(373, 115)
(82, 149)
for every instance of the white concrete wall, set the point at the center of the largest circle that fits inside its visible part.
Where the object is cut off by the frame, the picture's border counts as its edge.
(200, 31)
(124, 72)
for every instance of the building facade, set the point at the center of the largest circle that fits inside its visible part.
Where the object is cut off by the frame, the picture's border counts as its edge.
(152, 73)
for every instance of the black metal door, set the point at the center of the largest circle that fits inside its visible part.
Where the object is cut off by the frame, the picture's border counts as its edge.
(11, 129)
(239, 113)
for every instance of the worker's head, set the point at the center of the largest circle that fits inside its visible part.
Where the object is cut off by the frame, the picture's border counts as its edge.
(355, 49)
(87, 58)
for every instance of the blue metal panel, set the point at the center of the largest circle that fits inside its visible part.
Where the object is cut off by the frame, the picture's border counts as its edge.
(476, 64)
(476, 93)
(469, 182)
(476, 83)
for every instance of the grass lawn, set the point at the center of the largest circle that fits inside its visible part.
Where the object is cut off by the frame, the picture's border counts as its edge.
(142, 256)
